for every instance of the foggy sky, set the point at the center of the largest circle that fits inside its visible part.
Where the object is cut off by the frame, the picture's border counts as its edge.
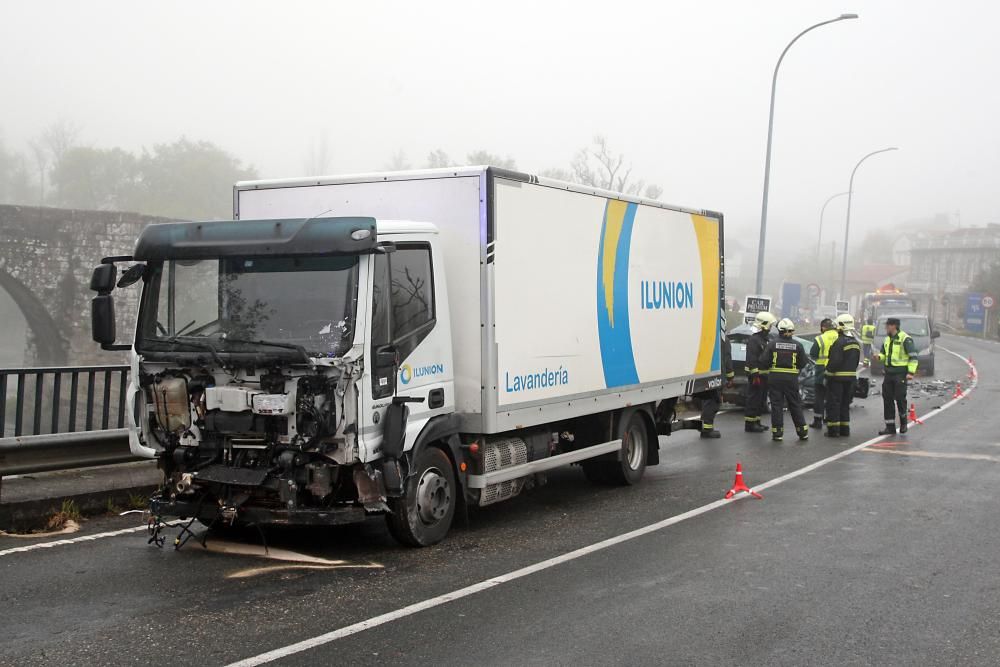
(681, 87)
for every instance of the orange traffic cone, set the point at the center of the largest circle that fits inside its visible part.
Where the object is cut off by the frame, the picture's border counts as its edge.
(958, 390)
(739, 486)
(912, 417)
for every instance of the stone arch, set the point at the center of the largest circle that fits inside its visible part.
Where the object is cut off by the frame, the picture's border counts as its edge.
(50, 346)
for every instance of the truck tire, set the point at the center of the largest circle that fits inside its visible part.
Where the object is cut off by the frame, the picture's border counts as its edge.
(629, 467)
(423, 515)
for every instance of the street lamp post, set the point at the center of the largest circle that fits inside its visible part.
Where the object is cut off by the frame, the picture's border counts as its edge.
(847, 226)
(767, 159)
(819, 237)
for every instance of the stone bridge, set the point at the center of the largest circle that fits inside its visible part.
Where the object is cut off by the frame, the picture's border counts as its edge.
(46, 258)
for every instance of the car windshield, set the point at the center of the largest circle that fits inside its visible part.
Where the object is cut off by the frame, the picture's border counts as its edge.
(262, 303)
(914, 326)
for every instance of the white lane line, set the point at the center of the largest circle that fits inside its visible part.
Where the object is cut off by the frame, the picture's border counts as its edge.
(75, 540)
(937, 455)
(430, 603)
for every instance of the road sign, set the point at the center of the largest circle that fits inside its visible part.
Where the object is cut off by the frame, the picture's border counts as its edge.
(755, 303)
(843, 307)
(813, 290)
(974, 315)
(987, 301)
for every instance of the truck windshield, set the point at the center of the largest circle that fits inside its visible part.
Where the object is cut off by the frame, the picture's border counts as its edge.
(259, 304)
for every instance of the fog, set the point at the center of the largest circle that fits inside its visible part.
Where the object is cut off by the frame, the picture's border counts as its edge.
(681, 88)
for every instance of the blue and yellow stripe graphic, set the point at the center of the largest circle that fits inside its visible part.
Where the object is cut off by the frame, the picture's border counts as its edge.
(612, 294)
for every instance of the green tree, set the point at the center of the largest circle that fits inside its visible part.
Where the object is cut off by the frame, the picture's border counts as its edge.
(398, 162)
(188, 180)
(96, 179)
(437, 159)
(491, 159)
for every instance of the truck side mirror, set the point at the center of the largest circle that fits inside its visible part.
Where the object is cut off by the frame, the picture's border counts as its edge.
(102, 280)
(935, 334)
(384, 371)
(102, 318)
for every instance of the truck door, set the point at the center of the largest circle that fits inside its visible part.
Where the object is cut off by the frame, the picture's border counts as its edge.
(410, 349)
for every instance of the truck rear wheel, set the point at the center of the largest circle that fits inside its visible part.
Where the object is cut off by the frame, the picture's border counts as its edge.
(423, 515)
(631, 464)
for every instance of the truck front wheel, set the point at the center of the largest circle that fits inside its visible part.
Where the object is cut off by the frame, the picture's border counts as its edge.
(424, 514)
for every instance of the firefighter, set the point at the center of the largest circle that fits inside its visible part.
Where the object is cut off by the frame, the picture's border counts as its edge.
(820, 351)
(711, 398)
(756, 376)
(841, 374)
(867, 338)
(784, 357)
(899, 359)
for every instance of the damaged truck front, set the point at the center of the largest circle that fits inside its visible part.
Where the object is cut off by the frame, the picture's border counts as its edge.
(244, 366)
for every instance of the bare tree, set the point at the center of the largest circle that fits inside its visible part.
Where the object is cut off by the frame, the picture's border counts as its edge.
(598, 166)
(58, 138)
(41, 156)
(318, 159)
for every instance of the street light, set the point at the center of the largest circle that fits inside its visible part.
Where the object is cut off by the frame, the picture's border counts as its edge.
(819, 237)
(847, 227)
(767, 159)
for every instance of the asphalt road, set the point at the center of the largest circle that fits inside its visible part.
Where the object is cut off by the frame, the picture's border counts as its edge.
(884, 556)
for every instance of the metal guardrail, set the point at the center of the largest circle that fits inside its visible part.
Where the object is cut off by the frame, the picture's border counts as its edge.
(58, 418)
(41, 401)
(63, 451)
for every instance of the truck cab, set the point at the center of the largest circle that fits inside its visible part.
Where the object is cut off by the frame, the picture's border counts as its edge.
(274, 359)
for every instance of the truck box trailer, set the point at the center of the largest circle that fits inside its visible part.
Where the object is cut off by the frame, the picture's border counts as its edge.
(413, 343)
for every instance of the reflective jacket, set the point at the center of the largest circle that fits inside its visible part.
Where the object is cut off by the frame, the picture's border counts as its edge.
(821, 347)
(899, 354)
(755, 345)
(845, 355)
(867, 333)
(783, 356)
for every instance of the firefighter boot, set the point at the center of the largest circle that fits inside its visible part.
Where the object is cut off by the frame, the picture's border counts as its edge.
(832, 431)
(903, 425)
(817, 422)
(803, 432)
(890, 429)
(754, 427)
(845, 430)
(709, 432)
(777, 433)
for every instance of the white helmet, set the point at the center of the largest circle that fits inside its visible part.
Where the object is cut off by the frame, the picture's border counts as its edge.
(845, 322)
(786, 326)
(763, 320)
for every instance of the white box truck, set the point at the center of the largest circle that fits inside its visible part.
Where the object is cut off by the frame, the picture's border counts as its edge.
(411, 344)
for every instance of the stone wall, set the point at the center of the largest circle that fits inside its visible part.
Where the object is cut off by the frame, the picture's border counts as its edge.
(46, 258)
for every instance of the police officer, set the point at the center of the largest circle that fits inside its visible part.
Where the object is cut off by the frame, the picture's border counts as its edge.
(899, 358)
(784, 357)
(841, 374)
(711, 398)
(820, 351)
(867, 338)
(756, 376)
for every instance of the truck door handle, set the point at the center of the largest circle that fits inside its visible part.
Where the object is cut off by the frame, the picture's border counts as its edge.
(435, 398)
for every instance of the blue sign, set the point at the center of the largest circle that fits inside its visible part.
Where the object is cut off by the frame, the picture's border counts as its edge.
(791, 296)
(974, 312)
